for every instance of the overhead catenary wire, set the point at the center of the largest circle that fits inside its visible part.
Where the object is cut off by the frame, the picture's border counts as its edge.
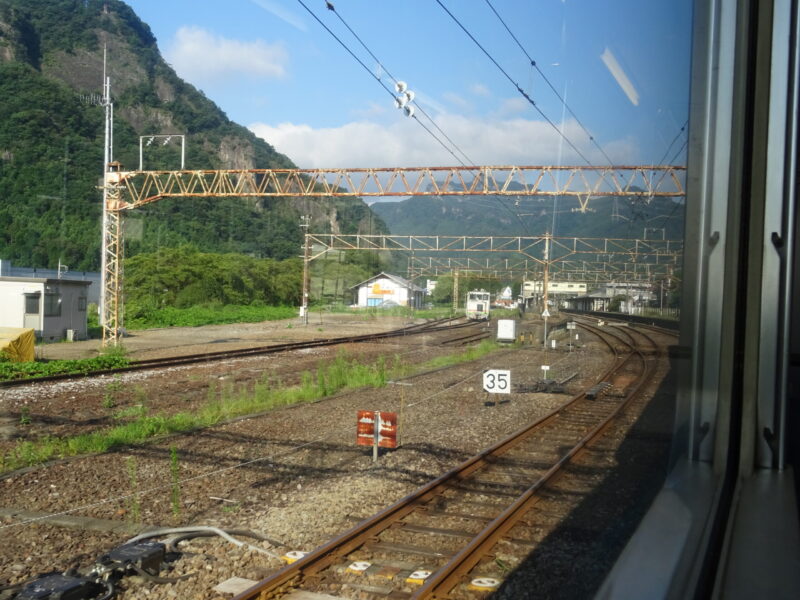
(671, 161)
(672, 143)
(516, 85)
(550, 85)
(377, 78)
(674, 158)
(329, 5)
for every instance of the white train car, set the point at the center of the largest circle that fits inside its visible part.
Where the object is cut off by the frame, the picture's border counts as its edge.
(477, 305)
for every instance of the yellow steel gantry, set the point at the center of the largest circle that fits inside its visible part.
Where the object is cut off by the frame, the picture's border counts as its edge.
(126, 190)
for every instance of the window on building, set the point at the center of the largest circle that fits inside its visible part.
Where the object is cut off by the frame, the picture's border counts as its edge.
(32, 303)
(52, 305)
(82, 304)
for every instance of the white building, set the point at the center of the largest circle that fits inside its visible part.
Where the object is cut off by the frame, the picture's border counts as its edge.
(93, 277)
(554, 288)
(388, 290)
(54, 308)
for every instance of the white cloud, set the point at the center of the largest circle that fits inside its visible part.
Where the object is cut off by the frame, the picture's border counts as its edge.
(284, 15)
(480, 90)
(204, 58)
(373, 109)
(514, 106)
(457, 101)
(405, 143)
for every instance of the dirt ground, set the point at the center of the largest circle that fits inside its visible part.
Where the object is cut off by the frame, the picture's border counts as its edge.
(293, 473)
(178, 341)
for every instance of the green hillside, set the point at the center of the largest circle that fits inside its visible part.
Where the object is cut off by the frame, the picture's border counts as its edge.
(492, 215)
(51, 144)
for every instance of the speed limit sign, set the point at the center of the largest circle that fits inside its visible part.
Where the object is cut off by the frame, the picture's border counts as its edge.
(497, 381)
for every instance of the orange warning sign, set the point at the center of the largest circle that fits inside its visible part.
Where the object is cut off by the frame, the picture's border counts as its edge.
(377, 426)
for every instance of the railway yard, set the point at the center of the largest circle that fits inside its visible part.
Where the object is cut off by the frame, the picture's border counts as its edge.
(290, 482)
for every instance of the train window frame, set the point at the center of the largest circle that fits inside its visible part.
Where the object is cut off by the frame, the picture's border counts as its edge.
(726, 522)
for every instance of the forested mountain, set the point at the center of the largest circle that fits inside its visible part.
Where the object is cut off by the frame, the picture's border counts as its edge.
(51, 144)
(492, 215)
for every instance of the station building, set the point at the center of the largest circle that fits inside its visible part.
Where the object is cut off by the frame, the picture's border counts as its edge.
(557, 291)
(54, 308)
(631, 296)
(386, 290)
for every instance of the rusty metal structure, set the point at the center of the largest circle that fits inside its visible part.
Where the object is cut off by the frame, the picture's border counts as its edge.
(565, 270)
(582, 183)
(610, 250)
(128, 190)
(570, 258)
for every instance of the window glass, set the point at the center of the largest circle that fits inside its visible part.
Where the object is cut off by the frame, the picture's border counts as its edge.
(32, 304)
(52, 305)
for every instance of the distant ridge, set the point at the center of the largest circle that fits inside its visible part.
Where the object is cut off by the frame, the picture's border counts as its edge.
(51, 144)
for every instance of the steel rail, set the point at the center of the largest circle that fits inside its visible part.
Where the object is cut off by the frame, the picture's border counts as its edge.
(159, 363)
(333, 551)
(442, 582)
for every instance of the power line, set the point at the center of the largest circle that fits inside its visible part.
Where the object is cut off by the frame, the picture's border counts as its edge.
(368, 70)
(515, 84)
(672, 161)
(332, 8)
(329, 5)
(675, 139)
(347, 49)
(552, 87)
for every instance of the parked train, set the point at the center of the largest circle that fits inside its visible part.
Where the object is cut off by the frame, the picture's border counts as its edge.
(477, 305)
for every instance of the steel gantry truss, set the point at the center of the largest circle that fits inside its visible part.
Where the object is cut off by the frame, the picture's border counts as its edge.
(127, 190)
(583, 183)
(570, 258)
(586, 250)
(526, 269)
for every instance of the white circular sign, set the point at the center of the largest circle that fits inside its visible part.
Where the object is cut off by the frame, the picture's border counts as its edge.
(485, 583)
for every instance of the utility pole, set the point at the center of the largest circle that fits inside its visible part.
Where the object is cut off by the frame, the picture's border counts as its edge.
(545, 283)
(106, 160)
(455, 291)
(304, 222)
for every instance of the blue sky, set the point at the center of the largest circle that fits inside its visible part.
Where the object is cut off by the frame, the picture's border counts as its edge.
(622, 66)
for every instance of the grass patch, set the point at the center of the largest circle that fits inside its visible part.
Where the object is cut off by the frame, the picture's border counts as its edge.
(438, 312)
(207, 315)
(340, 374)
(25, 370)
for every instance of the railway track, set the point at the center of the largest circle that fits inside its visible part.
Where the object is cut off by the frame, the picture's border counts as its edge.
(439, 325)
(444, 539)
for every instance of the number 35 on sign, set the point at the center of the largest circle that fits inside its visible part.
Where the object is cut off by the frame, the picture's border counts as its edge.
(497, 381)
